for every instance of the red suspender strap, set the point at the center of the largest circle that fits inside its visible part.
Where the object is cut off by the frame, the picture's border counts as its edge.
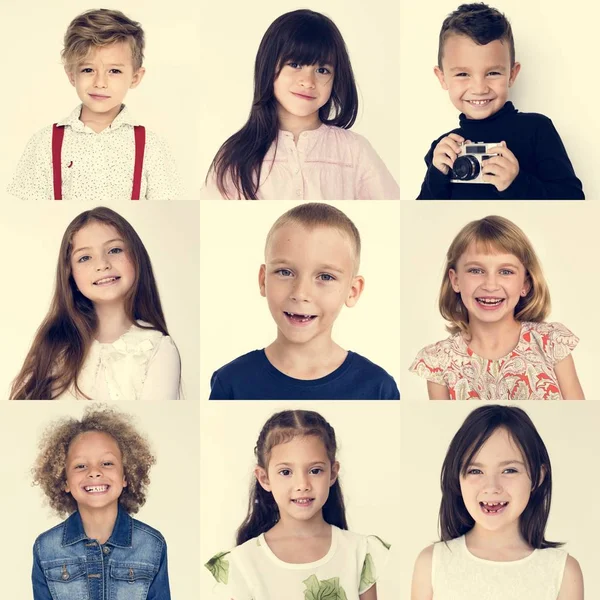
(139, 133)
(58, 133)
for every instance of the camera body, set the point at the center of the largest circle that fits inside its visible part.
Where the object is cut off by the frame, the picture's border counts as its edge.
(468, 164)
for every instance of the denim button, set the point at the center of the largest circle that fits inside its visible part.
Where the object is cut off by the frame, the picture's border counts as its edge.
(106, 550)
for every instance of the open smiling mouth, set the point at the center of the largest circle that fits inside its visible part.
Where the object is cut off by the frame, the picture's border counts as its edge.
(303, 501)
(479, 102)
(490, 302)
(493, 508)
(297, 318)
(96, 489)
(106, 281)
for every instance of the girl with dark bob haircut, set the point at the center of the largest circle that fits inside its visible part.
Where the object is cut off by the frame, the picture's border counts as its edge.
(295, 143)
(496, 491)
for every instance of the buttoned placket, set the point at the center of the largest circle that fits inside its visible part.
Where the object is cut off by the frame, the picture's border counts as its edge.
(296, 155)
(97, 569)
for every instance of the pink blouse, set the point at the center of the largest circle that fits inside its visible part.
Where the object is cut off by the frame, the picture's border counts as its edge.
(328, 163)
(526, 373)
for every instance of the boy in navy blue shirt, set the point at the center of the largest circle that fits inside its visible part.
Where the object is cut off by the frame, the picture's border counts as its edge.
(312, 256)
(476, 65)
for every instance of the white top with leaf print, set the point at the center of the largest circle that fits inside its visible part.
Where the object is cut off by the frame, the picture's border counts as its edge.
(252, 572)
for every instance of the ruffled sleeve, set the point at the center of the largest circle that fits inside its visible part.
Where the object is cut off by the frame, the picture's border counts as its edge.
(561, 342)
(230, 581)
(432, 362)
(376, 558)
(164, 373)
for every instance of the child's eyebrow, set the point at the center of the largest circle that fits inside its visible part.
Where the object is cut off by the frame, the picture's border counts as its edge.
(323, 267)
(312, 464)
(104, 244)
(501, 464)
(502, 266)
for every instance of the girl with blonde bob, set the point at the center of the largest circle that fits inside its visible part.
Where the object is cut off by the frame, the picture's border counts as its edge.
(495, 298)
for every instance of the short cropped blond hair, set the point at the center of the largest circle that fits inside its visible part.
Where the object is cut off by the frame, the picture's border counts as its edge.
(315, 214)
(101, 27)
(494, 234)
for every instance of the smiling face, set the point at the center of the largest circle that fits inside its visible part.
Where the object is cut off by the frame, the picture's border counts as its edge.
(94, 469)
(307, 278)
(490, 285)
(101, 264)
(301, 90)
(476, 77)
(496, 485)
(299, 476)
(103, 79)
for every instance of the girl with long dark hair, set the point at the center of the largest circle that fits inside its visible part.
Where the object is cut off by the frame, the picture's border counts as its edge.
(296, 143)
(496, 491)
(294, 540)
(105, 335)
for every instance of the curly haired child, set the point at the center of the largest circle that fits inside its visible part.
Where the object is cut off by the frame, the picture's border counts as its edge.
(96, 470)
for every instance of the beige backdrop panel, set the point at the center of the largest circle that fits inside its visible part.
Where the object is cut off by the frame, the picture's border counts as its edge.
(166, 101)
(553, 45)
(369, 472)
(235, 318)
(30, 241)
(569, 431)
(564, 236)
(172, 506)
(229, 46)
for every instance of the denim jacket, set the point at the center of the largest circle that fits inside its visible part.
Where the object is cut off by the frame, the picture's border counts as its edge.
(131, 565)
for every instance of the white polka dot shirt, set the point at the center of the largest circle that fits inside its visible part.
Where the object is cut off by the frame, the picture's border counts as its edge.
(96, 166)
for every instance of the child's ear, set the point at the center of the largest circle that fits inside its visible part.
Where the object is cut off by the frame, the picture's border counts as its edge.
(335, 469)
(440, 75)
(67, 488)
(262, 478)
(137, 77)
(124, 482)
(514, 71)
(70, 74)
(453, 276)
(356, 289)
(261, 279)
(526, 287)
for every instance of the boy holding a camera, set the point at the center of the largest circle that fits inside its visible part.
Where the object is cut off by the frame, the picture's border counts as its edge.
(518, 155)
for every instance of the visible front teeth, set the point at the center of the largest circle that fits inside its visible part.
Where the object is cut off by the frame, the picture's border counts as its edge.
(303, 501)
(494, 503)
(479, 102)
(490, 301)
(96, 488)
(106, 280)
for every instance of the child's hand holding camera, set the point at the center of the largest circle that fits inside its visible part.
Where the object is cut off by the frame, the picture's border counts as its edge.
(500, 170)
(446, 151)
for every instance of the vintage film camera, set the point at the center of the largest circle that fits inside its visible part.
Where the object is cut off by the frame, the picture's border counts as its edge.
(468, 164)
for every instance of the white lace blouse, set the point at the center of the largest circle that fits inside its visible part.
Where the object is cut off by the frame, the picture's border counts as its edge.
(142, 364)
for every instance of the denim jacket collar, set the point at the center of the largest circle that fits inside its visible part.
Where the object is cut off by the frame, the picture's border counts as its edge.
(121, 534)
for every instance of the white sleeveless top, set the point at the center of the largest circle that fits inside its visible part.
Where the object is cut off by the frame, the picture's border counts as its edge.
(456, 573)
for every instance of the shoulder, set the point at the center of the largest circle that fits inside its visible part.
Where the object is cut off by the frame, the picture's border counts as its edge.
(144, 531)
(363, 363)
(422, 587)
(346, 137)
(533, 118)
(553, 338)
(41, 139)
(374, 374)
(247, 361)
(571, 587)
(424, 561)
(439, 354)
(51, 537)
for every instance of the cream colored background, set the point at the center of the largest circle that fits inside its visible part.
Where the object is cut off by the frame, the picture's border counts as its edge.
(554, 46)
(564, 236)
(37, 92)
(569, 431)
(30, 241)
(230, 40)
(235, 318)
(368, 452)
(172, 506)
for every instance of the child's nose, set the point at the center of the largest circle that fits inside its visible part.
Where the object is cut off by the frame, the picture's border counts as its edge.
(479, 85)
(302, 482)
(100, 79)
(301, 290)
(307, 76)
(492, 484)
(491, 282)
(103, 264)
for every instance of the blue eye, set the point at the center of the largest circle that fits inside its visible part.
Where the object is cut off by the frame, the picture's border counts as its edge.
(284, 272)
(83, 259)
(506, 272)
(326, 277)
(475, 271)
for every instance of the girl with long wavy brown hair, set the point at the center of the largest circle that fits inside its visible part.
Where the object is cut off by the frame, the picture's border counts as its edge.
(105, 335)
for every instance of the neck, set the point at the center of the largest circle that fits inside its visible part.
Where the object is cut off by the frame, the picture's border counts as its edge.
(507, 537)
(98, 121)
(113, 322)
(492, 337)
(311, 360)
(99, 524)
(314, 527)
(296, 125)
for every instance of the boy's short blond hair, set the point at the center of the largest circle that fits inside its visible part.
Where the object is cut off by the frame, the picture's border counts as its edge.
(102, 27)
(315, 214)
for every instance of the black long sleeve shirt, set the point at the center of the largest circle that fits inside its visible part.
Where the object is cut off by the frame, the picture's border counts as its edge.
(545, 170)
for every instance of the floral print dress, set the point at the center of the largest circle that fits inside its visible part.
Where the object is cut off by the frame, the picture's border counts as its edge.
(252, 572)
(526, 373)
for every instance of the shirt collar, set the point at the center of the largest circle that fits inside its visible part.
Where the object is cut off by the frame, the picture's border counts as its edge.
(121, 534)
(123, 118)
(309, 134)
(507, 109)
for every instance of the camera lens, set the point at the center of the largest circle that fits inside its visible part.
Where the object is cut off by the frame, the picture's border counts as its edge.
(466, 168)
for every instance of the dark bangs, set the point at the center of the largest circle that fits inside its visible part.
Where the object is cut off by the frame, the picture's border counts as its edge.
(311, 43)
